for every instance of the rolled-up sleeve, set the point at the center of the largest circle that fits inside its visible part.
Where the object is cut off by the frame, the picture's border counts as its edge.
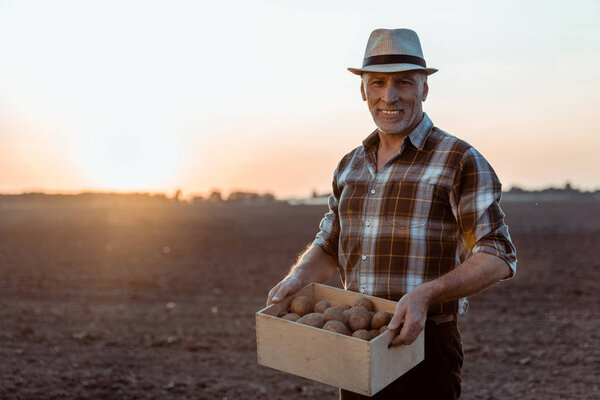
(477, 192)
(329, 233)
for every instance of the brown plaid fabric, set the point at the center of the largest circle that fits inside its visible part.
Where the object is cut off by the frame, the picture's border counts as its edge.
(431, 206)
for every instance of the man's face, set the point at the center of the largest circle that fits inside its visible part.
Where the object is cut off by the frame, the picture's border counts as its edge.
(395, 100)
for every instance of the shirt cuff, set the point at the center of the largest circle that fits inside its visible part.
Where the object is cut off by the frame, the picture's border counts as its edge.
(509, 259)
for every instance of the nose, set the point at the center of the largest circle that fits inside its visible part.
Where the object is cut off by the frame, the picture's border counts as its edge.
(391, 94)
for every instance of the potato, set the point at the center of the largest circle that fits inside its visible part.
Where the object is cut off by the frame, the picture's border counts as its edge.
(359, 318)
(346, 313)
(364, 302)
(380, 319)
(362, 334)
(291, 317)
(313, 319)
(334, 314)
(336, 326)
(321, 306)
(301, 305)
(374, 333)
(345, 307)
(382, 329)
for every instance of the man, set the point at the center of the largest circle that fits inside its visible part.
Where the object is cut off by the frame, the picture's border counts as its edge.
(414, 216)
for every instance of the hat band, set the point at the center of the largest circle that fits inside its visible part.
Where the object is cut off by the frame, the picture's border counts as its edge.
(394, 59)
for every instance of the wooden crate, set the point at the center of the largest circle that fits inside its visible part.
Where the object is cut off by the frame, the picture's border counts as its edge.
(328, 357)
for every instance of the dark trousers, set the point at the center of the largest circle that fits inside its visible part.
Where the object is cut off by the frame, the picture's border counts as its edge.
(436, 377)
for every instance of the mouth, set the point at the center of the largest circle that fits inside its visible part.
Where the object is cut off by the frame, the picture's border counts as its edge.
(390, 114)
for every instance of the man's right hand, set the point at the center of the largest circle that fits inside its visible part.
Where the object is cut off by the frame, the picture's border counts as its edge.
(290, 285)
(314, 265)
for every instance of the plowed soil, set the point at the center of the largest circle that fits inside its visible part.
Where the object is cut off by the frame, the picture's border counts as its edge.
(157, 301)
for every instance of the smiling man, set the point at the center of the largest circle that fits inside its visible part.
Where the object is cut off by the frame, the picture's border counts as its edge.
(414, 217)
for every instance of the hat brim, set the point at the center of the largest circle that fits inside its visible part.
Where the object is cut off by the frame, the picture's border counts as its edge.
(392, 68)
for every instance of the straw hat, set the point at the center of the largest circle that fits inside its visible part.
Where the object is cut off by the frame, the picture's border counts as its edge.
(393, 50)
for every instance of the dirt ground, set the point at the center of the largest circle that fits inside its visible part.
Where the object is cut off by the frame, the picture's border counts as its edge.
(157, 301)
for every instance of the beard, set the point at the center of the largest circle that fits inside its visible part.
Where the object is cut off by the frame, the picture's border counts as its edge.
(401, 127)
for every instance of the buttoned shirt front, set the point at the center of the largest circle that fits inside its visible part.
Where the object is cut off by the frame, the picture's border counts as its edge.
(430, 206)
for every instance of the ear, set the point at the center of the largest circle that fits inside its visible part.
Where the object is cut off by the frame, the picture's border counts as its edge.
(425, 90)
(362, 90)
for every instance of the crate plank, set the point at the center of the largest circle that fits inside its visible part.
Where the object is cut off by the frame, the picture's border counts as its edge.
(312, 353)
(389, 364)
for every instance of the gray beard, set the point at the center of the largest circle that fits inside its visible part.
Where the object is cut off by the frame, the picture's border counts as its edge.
(403, 126)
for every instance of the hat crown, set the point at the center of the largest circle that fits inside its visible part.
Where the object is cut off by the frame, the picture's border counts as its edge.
(392, 42)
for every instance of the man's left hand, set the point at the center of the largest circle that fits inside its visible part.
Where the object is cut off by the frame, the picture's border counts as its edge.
(409, 317)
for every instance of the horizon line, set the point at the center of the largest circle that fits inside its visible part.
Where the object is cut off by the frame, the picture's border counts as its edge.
(181, 193)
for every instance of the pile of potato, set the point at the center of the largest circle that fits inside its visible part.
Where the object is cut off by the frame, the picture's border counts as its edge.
(359, 321)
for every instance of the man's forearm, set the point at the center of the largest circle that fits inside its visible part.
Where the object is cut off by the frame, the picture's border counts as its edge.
(477, 273)
(314, 266)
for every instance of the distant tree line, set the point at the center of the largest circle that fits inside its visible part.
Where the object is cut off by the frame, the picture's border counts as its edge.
(567, 189)
(235, 197)
(85, 198)
(98, 198)
(568, 192)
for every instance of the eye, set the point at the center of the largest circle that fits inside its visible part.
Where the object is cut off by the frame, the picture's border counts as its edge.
(377, 82)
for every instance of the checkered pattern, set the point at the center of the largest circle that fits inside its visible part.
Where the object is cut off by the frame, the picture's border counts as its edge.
(431, 206)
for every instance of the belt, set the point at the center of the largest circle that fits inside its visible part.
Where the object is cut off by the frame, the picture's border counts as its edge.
(441, 318)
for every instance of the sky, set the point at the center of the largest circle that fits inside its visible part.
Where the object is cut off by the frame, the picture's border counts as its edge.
(254, 95)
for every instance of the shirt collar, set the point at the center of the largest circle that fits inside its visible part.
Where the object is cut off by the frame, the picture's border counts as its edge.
(417, 136)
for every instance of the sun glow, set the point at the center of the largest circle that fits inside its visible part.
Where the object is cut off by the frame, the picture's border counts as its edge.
(130, 161)
(156, 96)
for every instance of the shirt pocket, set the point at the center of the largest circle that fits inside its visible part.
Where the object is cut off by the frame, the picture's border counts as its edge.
(408, 204)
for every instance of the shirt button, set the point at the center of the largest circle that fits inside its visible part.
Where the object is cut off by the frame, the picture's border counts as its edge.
(362, 289)
(364, 257)
(368, 222)
(372, 191)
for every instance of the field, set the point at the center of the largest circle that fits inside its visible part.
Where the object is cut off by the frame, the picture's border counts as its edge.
(156, 300)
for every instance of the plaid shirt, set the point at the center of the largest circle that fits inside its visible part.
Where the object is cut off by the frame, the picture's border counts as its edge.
(431, 206)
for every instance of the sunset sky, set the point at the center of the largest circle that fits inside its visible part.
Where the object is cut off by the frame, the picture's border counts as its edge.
(255, 95)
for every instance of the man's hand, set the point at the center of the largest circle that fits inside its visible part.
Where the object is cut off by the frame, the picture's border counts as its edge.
(290, 285)
(474, 275)
(314, 265)
(410, 316)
